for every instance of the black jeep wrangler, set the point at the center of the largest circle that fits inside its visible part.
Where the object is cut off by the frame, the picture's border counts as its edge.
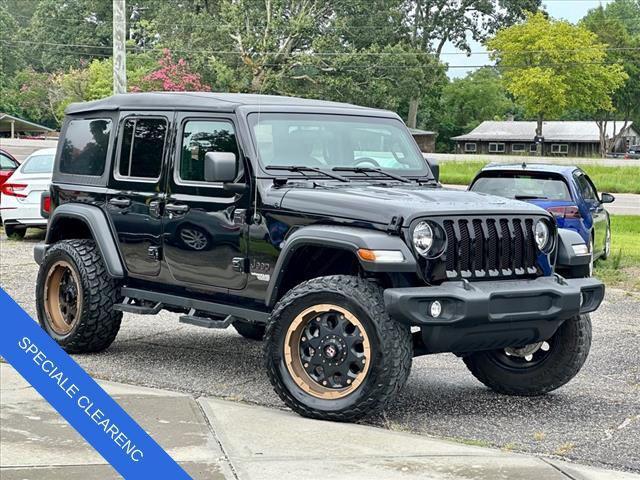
(317, 226)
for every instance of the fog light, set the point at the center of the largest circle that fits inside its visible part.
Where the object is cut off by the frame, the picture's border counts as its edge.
(583, 299)
(435, 309)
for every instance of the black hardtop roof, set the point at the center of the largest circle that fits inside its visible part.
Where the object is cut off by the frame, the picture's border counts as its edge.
(224, 102)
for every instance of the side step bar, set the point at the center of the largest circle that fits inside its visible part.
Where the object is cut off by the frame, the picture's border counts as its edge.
(194, 319)
(161, 299)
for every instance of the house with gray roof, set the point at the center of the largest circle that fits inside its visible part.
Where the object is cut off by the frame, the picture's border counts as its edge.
(571, 139)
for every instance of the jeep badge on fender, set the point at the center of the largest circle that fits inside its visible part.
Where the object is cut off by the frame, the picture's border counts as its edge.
(315, 226)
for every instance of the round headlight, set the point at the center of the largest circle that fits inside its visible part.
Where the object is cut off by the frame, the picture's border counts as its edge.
(423, 238)
(541, 234)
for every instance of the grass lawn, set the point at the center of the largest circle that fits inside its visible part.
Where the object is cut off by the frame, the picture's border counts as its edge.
(622, 269)
(607, 179)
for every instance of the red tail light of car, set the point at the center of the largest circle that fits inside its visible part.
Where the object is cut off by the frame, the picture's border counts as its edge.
(13, 189)
(46, 204)
(564, 212)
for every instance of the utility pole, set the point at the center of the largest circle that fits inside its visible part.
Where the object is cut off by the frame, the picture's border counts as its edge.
(119, 47)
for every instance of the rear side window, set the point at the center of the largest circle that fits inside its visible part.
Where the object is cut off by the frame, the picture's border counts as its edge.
(84, 151)
(142, 148)
(523, 186)
(38, 164)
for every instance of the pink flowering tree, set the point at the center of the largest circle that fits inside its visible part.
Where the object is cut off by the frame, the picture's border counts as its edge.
(171, 76)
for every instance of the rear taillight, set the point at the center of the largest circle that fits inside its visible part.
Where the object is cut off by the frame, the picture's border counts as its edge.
(45, 205)
(13, 189)
(564, 212)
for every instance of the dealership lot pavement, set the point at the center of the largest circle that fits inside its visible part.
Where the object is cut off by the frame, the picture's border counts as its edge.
(595, 419)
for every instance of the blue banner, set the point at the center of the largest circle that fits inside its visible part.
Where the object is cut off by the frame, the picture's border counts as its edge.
(79, 399)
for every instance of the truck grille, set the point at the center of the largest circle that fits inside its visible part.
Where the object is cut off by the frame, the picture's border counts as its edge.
(490, 247)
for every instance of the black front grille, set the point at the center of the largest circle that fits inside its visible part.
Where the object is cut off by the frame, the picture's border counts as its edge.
(489, 248)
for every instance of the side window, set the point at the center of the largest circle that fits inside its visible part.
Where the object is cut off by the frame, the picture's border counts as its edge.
(84, 151)
(585, 188)
(200, 137)
(6, 163)
(142, 148)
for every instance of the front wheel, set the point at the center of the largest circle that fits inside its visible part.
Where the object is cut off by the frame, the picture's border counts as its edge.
(537, 368)
(332, 352)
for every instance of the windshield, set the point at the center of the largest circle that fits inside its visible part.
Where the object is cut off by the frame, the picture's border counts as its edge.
(328, 141)
(38, 164)
(523, 186)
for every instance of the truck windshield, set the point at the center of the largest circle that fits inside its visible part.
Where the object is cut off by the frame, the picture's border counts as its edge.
(328, 141)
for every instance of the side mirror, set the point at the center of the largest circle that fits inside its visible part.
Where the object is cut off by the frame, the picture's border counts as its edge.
(220, 167)
(434, 166)
(607, 198)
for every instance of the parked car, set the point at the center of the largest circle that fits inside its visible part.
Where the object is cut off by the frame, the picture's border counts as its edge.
(20, 195)
(8, 165)
(633, 152)
(565, 191)
(315, 226)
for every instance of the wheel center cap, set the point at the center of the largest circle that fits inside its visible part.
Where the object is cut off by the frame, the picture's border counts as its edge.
(330, 351)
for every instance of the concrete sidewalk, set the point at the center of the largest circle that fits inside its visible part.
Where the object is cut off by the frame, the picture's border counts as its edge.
(216, 439)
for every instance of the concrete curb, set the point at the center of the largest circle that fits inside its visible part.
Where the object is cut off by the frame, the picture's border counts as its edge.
(218, 439)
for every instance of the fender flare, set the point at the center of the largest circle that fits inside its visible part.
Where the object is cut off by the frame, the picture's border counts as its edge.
(567, 258)
(97, 222)
(345, 238)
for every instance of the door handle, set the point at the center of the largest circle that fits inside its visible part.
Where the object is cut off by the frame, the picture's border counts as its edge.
(178, 209)
(120, 202)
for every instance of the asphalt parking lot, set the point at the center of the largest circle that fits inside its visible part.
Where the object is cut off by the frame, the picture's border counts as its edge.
(595, 419)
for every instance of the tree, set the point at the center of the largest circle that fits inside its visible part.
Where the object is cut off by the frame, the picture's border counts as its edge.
(170, 76)
(551, 66)
(433, 23)
(611, 25)
(466, 102)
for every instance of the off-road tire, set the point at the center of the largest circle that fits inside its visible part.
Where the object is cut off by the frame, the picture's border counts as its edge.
(391, 348)
(252, 331)
(98, 323)
(15, 232)
(572, 342)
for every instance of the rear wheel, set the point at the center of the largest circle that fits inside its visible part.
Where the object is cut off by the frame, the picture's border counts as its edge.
(15, 232)
(252, 331)
(332, 352)
(537, 368)
(75, 297)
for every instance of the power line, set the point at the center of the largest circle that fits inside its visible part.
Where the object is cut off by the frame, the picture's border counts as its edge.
(322, 54)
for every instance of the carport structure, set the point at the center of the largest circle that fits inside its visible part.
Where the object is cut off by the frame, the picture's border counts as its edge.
(14, 125)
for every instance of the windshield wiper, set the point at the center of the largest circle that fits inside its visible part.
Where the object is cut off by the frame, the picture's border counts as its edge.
(366, 170)
(303, 168)
(530, 197)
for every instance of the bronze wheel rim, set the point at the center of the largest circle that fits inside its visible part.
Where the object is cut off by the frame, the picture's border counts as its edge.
(63, 297)
(327, 351)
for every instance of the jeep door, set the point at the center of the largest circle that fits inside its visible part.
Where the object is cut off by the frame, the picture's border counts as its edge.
(595, 209)
(204, 224)
(136, 193)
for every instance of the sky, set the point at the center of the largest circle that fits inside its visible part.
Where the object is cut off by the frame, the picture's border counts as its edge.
(571, 10)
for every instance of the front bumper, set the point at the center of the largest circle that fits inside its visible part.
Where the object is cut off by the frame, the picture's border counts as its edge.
(493, 314)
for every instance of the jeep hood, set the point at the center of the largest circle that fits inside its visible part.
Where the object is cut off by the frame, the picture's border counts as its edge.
(378, 204)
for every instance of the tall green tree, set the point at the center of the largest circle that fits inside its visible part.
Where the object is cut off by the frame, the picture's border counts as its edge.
(467, 102)
(616, 25)
(433, 23)
(552, 66)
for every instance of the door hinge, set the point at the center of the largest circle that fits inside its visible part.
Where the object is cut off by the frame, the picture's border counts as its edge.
(239, 216)
(154, 252)
(240, 264)
(395, 225)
